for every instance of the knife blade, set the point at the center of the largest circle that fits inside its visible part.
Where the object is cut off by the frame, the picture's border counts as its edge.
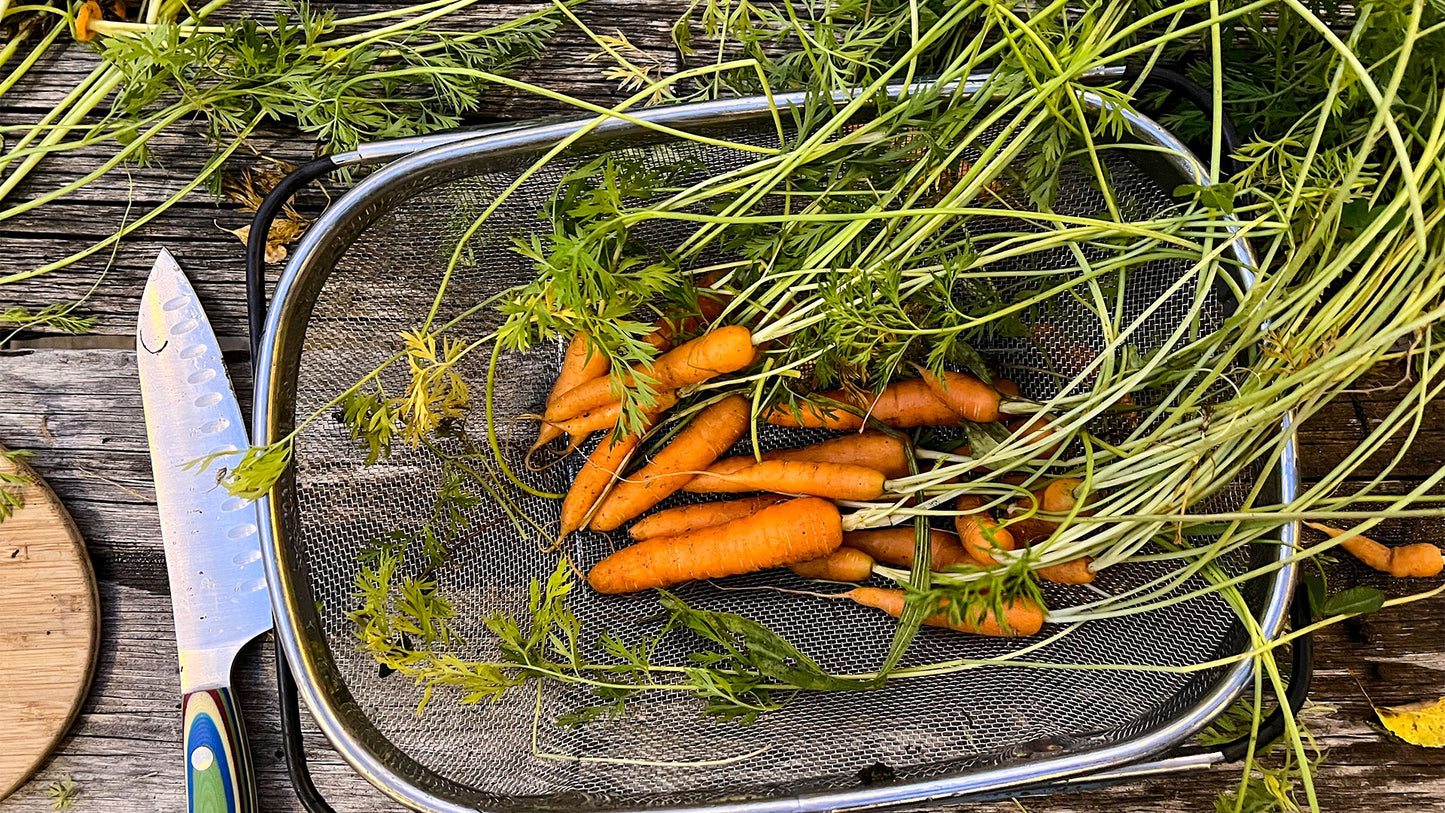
(213, 555)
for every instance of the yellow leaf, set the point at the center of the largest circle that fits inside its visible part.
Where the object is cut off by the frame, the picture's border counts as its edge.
(1420, 723)
(276, 242)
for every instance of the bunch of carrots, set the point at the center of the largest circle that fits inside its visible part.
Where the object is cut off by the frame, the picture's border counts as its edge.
(791, 518)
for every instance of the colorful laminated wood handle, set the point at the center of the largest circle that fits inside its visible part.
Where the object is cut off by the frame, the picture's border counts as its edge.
(218, 762)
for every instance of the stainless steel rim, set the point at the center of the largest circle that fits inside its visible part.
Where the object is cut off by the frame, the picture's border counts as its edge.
(439, 152)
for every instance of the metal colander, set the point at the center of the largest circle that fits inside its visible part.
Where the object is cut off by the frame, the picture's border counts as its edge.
(369, 269)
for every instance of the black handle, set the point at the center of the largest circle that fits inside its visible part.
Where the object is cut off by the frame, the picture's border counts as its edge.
(1192, 92)
(1297, 690)
(274, 203)
(256, 305)
(297, 768)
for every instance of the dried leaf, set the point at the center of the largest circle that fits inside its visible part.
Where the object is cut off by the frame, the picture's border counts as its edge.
(248, 190)
(1420, 723)
(284, 231)
(275, 252)
(251, 186)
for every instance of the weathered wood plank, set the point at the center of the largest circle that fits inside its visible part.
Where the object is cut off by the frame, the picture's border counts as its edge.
(215, 260)
(216, 268)
(80, 412)
(646, 25)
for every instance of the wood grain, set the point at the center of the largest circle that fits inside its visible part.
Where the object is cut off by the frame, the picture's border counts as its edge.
(213, 260)
(49, 626)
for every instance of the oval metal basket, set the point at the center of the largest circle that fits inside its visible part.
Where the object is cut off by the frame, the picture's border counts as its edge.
(368, 270)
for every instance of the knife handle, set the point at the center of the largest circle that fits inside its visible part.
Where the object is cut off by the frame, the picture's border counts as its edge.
(219, 778)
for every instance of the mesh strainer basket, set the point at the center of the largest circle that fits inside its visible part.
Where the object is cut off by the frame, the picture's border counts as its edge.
(368, 269)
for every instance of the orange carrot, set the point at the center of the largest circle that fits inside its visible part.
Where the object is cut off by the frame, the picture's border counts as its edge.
(1058, 497)
(1034, 428)
(842, 565)
(870, 449)
(88, 13)
(972, 527)
(685, 518)
(794, 531)
(894, 546)
(968, 397)
(1074, 571)
(1421, 560)
(662, 342)
(593, 420)
(1055, 498)
(710, 434)
(902, 404)
(836, 481)
(1021, 617)
(605, 462)
(982, 536)
(666, 331)
(1007, 387)
(720, 351)
(715, 478)
(605, 417)
(582, 362)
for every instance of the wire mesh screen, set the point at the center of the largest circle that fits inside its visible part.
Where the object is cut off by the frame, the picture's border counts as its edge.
(510, 753)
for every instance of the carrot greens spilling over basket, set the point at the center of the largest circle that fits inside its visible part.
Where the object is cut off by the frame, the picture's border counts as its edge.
(784, 366)
(836, 284)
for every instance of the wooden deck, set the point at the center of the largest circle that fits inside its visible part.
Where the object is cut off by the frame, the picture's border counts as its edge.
(76, 403)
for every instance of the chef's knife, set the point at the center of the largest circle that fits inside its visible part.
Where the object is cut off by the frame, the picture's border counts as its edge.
(213, 554)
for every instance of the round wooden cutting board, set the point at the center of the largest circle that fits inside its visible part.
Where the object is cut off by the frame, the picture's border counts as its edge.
(49, 626)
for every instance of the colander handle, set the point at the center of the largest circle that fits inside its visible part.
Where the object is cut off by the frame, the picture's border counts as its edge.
(1271, 728)
(1297, 688)
(256, 299)
(297, 769)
